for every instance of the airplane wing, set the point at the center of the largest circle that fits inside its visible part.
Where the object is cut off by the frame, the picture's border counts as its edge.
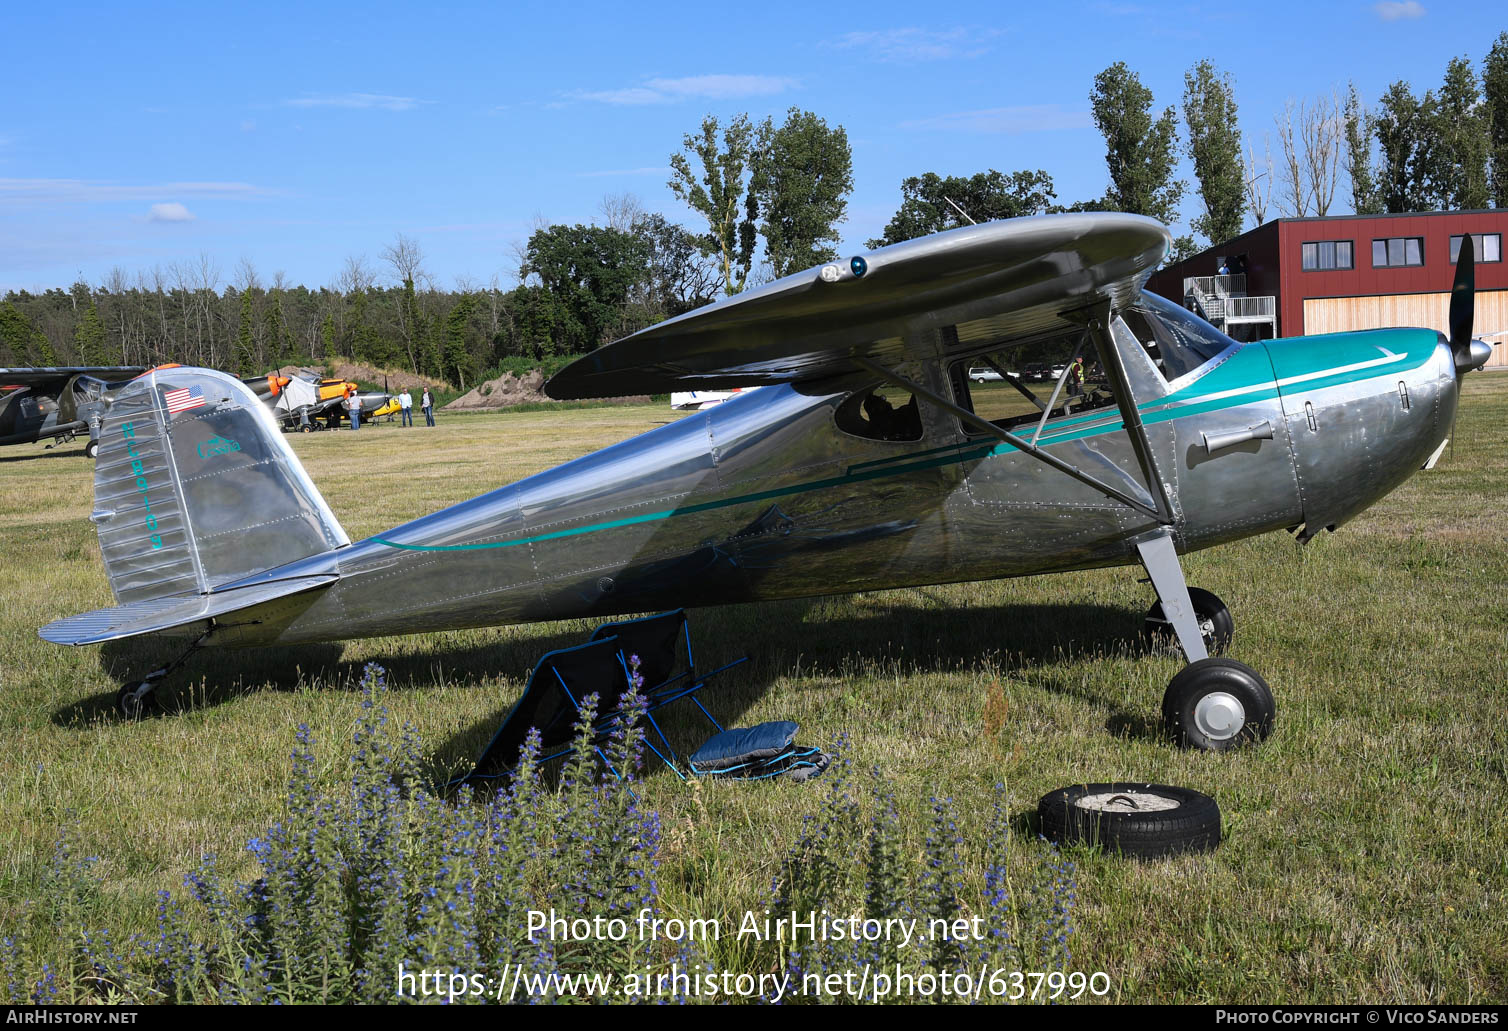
(993, 282)
(43, 377)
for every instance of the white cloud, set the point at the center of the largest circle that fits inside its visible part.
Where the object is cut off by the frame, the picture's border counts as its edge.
(170, 212)
(1028, 118)
(1394, 10)
(85, 191)
(358, 100)
(692, 87)
(910, 45)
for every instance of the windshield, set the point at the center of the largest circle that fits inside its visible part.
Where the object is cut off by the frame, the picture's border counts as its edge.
(1178, 340)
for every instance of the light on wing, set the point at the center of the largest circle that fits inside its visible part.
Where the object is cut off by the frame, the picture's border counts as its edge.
(1001, 279)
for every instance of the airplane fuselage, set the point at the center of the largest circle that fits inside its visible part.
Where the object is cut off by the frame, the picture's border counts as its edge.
(766, 497)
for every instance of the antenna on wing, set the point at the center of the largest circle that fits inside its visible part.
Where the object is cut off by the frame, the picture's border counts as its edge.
(961, 211)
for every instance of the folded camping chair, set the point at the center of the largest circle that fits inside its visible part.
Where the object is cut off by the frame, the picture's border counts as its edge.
(551, 701)
(656, 640)
(759, 752)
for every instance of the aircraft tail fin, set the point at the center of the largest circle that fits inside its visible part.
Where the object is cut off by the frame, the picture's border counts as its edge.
(195, 488)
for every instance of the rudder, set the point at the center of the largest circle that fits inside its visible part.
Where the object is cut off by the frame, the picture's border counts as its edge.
(195, 488)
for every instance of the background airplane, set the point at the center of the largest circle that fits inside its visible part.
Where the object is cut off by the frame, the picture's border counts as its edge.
(56, 403)
(301, 400)
(868, 461)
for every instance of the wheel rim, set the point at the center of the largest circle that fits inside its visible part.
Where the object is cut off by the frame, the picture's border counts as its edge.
(1219, 716)
(1127, 802)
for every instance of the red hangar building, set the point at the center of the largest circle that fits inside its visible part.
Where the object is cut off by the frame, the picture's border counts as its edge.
(1304, 276)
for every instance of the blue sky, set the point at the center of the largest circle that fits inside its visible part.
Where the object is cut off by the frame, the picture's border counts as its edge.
(293, 135)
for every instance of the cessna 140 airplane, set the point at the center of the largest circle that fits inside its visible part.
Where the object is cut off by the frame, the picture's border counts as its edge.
(57, 403)
(868, 461)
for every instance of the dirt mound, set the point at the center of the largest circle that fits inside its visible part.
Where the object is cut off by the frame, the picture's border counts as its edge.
(396, 381)
(508, 390)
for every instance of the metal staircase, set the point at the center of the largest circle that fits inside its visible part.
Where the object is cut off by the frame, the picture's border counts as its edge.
(1222, 302)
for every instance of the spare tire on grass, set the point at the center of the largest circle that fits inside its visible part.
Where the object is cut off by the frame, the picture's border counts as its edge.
(1142, 820)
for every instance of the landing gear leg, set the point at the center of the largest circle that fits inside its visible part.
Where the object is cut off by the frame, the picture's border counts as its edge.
(1213, 704)
(1161, 562)
(135, 701)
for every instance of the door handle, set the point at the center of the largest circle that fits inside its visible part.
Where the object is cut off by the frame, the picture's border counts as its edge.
(1222, 439)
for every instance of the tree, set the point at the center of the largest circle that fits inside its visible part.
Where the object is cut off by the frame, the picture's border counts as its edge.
(1258, 177)
(1139, 152)
(680, 277)
(279, 343)
(721, 194)
(1365, 198)
(1397, 128)
(1209, 111)
(1495, 96)
(245, 344)
(1294, 201)
(407, 262)
(1320, 126)
(984, 197)
(89, 338)
(591, 270)
(1454, 142)
(801, 176)
(456, 355)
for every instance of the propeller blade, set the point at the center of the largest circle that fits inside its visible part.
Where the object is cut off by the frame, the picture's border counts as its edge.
(1463, 297)
(1470, 354)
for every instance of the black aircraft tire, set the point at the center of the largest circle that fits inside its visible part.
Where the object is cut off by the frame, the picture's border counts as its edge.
(132, 707)
(1207, 607)
(1147, 821)
(1217, 704)
(91, 449)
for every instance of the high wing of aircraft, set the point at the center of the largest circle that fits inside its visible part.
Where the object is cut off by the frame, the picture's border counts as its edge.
(56, 402)
(871, 459)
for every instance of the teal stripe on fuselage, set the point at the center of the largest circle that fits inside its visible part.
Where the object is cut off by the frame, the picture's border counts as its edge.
(1244, 378)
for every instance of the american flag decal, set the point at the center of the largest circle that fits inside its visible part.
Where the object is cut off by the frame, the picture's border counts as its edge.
(182, 399)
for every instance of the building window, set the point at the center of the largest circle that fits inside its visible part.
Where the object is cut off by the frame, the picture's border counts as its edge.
(1484, 246)
(1329, 254)
(1398, 251)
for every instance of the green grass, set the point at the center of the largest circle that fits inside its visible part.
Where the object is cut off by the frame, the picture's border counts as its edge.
(1364, 856)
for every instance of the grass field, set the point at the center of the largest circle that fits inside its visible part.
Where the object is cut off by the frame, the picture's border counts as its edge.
(1365, 852)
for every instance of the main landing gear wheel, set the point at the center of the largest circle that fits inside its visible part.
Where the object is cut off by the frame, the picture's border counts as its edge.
(91, 449)
(1215, 622)
(1147, 821)
(136, 701)
(1217, 704)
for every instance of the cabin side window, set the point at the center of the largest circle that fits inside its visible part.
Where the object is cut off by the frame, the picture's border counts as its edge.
(1012, 387)
(880, 412)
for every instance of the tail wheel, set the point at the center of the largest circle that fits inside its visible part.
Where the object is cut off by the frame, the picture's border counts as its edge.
(1218, 704)
(1214, 619)
(1147, 821)
(135, 701)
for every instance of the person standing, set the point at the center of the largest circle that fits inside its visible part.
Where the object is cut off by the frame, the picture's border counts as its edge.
(1076, 377)
(353, 405)
(429, 408)
(406, 407)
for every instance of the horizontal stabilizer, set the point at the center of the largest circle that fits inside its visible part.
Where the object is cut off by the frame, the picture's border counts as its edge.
(183, 611)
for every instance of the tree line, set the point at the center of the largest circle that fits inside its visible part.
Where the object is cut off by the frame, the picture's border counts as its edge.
(777, 193)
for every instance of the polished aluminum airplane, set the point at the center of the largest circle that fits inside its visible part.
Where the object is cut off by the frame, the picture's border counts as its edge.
(865, 462)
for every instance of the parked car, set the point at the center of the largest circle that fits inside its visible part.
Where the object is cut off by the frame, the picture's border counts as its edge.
(983, 374)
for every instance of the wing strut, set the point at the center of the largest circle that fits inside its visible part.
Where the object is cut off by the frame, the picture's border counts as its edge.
(1020, 444)
(1097, 320)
